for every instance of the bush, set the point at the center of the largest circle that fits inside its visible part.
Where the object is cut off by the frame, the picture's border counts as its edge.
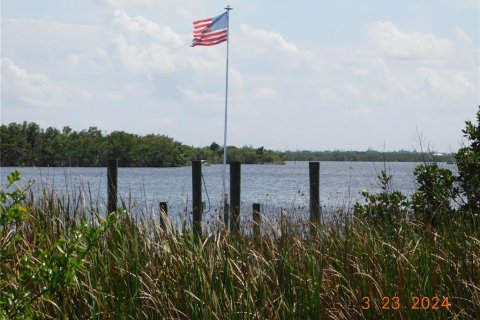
(431, 203)
(387, 206)
(36, 262)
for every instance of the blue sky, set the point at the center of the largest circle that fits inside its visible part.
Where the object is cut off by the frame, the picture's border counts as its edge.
(325, 75)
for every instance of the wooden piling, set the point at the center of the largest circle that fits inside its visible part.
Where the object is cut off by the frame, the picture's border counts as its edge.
(235, 197)
(314, 172)
(197, 197)
(283, 223)
(112, 185)
(226, 210)
(257, 220)
(163, 215)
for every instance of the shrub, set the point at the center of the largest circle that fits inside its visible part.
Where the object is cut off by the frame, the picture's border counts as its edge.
(431, 203)
(386, 206)
(35, 263)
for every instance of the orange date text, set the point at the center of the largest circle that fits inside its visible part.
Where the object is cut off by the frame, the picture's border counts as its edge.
(416, 303)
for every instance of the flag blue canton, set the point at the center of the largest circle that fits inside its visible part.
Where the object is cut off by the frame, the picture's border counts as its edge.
(219, 22)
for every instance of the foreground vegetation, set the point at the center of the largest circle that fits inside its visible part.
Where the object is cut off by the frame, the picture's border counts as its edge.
(397, 257)
(62, 266)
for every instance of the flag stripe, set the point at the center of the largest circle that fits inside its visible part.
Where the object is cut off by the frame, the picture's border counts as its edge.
(203, 25)
(202, 20)
(202, 31)
(209, 43)
(198, 35)
(212, 38)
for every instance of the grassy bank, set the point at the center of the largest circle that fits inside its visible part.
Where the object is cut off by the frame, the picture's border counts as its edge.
(58, 266)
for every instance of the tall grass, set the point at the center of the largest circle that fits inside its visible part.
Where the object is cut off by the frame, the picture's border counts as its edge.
(135, 270)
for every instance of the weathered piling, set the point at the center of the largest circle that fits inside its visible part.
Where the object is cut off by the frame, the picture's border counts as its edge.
(226, 210)
(283, 223)
(314, 172)
(163, 215)
(235, 197)
(112, 185)
(197, 197)
(257, 220)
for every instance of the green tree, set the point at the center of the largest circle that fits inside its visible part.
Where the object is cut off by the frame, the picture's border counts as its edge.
(86, 148)
(33, 137)
(124, 147)
(214, 146)
(51, 148)
(160, 151)
(468, 164)
(431, 202)
(13, 143)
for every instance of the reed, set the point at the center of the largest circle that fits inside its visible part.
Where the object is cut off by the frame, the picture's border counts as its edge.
(130, 268)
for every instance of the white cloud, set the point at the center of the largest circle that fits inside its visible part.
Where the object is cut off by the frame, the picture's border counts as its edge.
(463, 36)
(267, 93)
(58, 37)
(146, 47)
(236, 78)
(440, 87)
(361, 72)
(125, 3)
(326, 94)
(396, 43)
(362, 112)
(37, 89)
(164, 122)
(208, 99)
(270, 39)
(352, 91)
(140, 27)
(94, 60)
(143, 45)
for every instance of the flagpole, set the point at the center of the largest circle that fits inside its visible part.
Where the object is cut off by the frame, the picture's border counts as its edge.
(224, 172)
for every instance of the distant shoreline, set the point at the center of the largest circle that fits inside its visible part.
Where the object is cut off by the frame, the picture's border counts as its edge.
(27, 144)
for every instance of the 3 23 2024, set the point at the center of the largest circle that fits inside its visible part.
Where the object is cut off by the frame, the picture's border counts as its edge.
(416, 303)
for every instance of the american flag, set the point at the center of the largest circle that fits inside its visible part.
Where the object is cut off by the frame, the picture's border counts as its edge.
(209, 32)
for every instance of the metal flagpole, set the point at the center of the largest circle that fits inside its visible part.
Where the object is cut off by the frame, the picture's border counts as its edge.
(224, 172)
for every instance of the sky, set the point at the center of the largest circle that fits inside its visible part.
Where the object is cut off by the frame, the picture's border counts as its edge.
(304, 75)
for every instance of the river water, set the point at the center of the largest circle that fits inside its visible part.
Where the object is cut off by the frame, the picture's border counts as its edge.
(274, 186)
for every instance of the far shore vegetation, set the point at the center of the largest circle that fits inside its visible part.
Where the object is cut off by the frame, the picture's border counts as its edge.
(27, 144)
(391, 256)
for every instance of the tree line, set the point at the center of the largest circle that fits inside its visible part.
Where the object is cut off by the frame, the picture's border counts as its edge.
(369, 155)
(27, 144)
